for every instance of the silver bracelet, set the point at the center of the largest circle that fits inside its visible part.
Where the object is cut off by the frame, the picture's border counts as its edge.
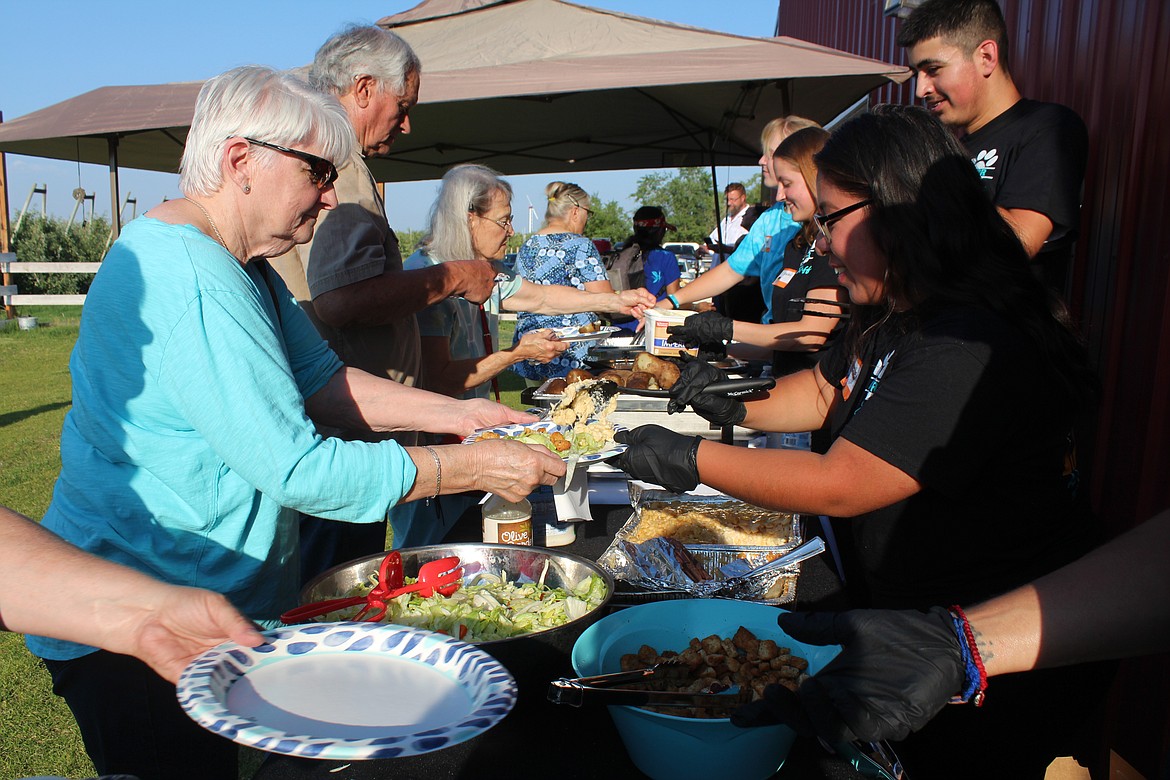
(438, 471)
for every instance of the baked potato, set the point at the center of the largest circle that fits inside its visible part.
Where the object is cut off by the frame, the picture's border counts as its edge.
(616, 375)
(664, 372)
(639, 380)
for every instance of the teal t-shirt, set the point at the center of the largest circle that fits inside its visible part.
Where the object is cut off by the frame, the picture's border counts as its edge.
(761, 253)
(187, 452)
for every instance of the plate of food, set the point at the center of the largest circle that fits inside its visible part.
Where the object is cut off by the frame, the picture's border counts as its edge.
(591, 440)
(348, 691)
(591, 332)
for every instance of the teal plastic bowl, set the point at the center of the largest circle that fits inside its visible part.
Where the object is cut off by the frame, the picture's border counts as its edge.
(667, 747)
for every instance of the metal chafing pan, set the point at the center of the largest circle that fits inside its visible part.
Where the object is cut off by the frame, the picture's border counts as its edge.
(625, 401)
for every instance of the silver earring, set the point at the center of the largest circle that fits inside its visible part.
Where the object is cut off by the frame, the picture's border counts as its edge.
(247, 188)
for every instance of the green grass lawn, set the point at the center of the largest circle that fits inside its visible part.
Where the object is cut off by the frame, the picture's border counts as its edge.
(37, 732)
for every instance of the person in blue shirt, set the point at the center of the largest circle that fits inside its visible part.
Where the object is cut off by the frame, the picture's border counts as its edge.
(761, 252)
(660, 274)
(800, 328)
(198, 385)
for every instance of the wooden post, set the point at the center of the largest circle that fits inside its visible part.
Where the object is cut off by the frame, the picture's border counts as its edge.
(115, 200)
(9, 310)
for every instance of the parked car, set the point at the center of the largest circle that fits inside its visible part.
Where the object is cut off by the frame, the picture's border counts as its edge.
(687, 254)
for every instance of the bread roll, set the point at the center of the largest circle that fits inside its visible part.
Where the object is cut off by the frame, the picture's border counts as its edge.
(556, 386)
(578, 375)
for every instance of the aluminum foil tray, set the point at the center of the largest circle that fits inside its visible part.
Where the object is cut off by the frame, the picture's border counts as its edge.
(654, 576)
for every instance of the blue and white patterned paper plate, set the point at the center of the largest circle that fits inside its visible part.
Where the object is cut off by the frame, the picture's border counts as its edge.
(548, 426)
(348, 691)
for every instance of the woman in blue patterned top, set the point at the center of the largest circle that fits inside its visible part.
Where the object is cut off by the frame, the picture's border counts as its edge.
(559, 254)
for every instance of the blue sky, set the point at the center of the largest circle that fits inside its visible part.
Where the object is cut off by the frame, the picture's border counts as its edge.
(52, 50)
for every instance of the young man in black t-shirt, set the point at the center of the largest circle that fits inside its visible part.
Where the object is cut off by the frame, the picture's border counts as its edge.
(1030, 155)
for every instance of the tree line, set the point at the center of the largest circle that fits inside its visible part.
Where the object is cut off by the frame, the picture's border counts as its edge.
(684, 194)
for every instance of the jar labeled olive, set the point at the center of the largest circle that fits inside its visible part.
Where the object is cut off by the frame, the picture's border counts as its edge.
(507, 522)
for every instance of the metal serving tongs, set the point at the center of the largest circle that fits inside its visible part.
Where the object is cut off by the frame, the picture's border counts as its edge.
(605, 689)
(602, 390)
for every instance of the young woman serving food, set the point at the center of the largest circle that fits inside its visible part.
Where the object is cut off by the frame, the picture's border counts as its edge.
(951, 398)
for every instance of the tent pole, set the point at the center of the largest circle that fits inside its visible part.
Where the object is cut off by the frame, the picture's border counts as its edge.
(715, 191)
(116, 214)
(715, 199)
(9, 309)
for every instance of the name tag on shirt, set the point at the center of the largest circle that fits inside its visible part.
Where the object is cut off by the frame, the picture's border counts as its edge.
(851, 379)
(785, 277)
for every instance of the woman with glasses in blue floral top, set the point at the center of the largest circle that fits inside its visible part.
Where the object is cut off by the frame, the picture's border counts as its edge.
(559, 254)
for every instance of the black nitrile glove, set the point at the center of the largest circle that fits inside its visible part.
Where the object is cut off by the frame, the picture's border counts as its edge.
(896, 670)
(709, 331)
(660, 456)
(694, 376)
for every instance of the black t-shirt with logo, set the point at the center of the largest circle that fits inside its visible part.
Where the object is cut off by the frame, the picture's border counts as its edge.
(959, 403)
(1033, 157)
(803, 270)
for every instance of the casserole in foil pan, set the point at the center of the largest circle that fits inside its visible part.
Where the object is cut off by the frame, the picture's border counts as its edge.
(676, 546)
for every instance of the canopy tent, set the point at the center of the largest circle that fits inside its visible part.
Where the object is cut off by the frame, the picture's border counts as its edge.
(526, 86)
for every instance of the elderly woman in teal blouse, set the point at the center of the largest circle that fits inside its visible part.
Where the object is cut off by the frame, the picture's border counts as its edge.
(197, 382)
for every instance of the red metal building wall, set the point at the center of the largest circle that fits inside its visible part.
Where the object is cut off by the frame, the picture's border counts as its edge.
(1110, 61)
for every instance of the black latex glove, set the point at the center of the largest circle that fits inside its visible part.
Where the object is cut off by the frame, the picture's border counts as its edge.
(660, 456)
(693, 377)
(896, 670)
(708, 330)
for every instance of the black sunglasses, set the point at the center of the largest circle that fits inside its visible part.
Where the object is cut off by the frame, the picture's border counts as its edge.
(321, 172)
(823, 222)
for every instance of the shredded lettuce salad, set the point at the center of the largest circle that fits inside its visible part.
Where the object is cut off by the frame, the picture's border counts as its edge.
(582, 443)
(585, 440)
(491, 607)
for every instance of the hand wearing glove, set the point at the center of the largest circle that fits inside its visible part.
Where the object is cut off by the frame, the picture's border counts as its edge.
(717, 409)
(709, 331)
(896, 670)
(660, 456)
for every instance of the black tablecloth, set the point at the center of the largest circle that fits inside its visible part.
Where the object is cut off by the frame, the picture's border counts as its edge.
(559, 741)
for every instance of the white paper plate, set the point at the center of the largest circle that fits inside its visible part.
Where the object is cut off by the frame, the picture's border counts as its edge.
(575, 334)
(348, 691)
(548, 426)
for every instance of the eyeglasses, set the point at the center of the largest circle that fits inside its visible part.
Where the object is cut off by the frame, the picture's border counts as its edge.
(588, 211)
(504, 222)
(824, 222)
(322, 173)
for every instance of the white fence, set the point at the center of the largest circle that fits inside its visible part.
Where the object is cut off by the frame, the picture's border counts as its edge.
(10, 296)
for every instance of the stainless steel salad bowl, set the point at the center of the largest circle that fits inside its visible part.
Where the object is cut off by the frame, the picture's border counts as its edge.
(537, 653)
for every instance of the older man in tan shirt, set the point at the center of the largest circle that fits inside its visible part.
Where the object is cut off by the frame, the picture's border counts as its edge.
(349, 278)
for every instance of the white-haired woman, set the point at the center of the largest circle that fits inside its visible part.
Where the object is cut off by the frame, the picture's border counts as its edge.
(472, 218)
(197, 383)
